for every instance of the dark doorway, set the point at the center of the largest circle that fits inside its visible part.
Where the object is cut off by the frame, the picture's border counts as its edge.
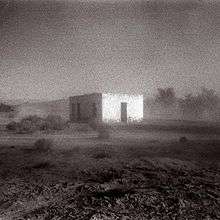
(78, 112)
(123, 112)
(73, 113)
(94, 110)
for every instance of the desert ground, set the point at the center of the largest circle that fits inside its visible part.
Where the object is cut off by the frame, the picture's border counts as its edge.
(138, 172)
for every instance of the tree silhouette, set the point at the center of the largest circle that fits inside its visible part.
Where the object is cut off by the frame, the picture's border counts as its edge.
(6, 108)
(166, 97)
(205, 102)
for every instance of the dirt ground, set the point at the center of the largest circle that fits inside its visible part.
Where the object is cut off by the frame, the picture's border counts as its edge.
(115, 178)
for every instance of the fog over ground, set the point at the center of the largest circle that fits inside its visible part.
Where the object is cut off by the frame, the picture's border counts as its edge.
(205, 105)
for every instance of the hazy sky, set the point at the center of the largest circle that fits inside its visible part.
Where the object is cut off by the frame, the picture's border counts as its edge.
(51, 49)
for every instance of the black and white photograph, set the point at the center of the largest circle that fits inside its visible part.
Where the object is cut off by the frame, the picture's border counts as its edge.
(109, 109)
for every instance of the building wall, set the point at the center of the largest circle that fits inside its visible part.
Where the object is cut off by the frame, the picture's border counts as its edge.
(107, 108)
(43, 109)
(111, 107)
(87, 103)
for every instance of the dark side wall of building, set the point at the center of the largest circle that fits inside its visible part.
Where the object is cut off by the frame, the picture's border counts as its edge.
(86, 107)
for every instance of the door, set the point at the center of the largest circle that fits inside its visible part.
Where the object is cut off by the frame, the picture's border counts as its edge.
(78, 112)
(73, 112)
(94, 110)
(123, 112)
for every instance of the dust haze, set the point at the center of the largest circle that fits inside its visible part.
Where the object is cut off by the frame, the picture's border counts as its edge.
(204, 106)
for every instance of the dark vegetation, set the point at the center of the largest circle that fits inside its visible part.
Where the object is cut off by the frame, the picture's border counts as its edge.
(6, 108)
(34, 123)
(148, 180)
(202, 106)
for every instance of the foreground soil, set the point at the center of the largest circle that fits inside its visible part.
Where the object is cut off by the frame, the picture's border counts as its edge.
(111, 180)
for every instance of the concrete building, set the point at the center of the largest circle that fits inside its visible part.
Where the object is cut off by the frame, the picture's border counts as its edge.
(96, 106)
(106, 107)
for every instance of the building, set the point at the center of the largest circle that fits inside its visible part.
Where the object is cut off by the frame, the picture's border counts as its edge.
(106, 107)
(83, 108)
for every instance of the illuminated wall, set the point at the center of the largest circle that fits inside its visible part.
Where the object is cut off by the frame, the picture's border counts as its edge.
(111, 107)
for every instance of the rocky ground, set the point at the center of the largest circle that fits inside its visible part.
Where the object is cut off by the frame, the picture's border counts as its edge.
(134, 181)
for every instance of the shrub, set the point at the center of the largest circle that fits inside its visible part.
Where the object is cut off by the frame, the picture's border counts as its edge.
(6, 108)
(54, 122)
(12, 126)
(101, 153)
(32, 118)
(27, 126)
(30, 124)
(43, 145)
(34, 123)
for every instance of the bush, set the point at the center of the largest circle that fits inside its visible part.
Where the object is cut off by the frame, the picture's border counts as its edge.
(34, 123)
(101, 153)
(54, 122)
(6, 108)
(12, 126)
(37, 121)
(27, 126)
(43, 145)
(32, 118)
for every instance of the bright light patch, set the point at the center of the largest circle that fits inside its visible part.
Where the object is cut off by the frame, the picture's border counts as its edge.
(111, 107)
